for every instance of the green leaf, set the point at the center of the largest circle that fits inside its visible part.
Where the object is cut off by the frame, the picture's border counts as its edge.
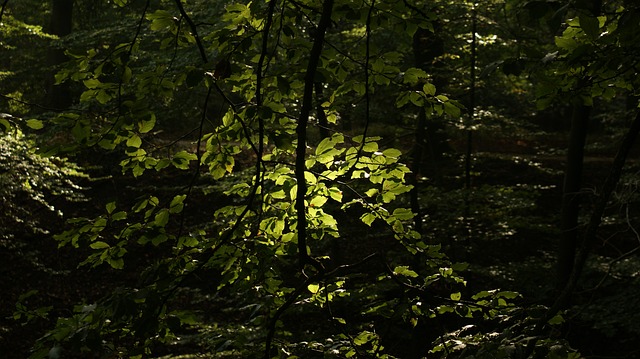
(110, 207)
(405, 271)
(5, 123)
(34, 124)
(336, 194)
(318, 201)
(91, 83)
(403, 214)
(364, 338)
(177, 203)
(508, 294)
(99, 245)
(455, 296)
(413, 75)
(429, 89)
(368, 218)
(482, 294)
(371, 192)
(145, 126)
(325, 145)
(313, 288)
(115, 263)
(134, 141)
(103, 97)
(392, 152)
(118, 216)
(558, 319)
(162, 217)
(181, 159)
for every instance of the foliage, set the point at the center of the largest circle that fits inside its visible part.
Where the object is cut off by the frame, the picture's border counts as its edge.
(275, 214)
(270, 241)
(30, 183)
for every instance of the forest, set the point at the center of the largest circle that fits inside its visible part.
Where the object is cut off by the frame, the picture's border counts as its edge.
(319, 179)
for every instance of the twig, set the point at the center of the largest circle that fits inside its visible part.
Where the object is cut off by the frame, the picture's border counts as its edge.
(194, 30)
(4, 5)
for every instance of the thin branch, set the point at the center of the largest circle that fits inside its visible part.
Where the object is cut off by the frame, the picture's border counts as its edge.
(194, 30)
(4, 6)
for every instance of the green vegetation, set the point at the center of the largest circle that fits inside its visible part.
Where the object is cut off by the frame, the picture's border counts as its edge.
(319, 179)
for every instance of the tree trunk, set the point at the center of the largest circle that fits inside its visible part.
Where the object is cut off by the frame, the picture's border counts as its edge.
(571, 189)
(427, 47)
(61, 25)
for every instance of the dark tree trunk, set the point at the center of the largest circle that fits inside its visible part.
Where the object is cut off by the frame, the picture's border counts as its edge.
(427, 47)
(61, 25)
(429, 144)
(571, 193)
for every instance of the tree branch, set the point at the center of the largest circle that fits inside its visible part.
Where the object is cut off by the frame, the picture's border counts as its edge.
(4, 6)
(194, 30)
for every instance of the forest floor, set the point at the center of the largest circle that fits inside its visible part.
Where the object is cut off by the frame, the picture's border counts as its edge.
(515, 252)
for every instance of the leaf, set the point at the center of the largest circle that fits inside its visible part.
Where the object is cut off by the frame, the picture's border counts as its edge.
(370, 147)
(558, 319)
(177, 204)
(335, 194)
(134, 141)
(325, 145)
(313, 288)
(110, 207)
(162, 218)
(368, 218)
(371, 192)
(405, 271)
(103, 97)
(392, 153)
(318, 201)
(429, 89)
(145, 126)
(455, 296)
(482, 294)
(6, 124)
(116, 263)
(99, 245)
(364, 338)
(34, 124)
(403, 214)
(118, 216)
(508, 294)
(91, 83)
(413, 75)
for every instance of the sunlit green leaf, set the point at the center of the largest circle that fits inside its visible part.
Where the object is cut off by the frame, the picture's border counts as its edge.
(35, 124)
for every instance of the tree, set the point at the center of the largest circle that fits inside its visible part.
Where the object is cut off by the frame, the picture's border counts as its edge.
(267, 242)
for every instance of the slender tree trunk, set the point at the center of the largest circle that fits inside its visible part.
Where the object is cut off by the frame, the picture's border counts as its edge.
(427, 47)
(61, 25)
(571, 193)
